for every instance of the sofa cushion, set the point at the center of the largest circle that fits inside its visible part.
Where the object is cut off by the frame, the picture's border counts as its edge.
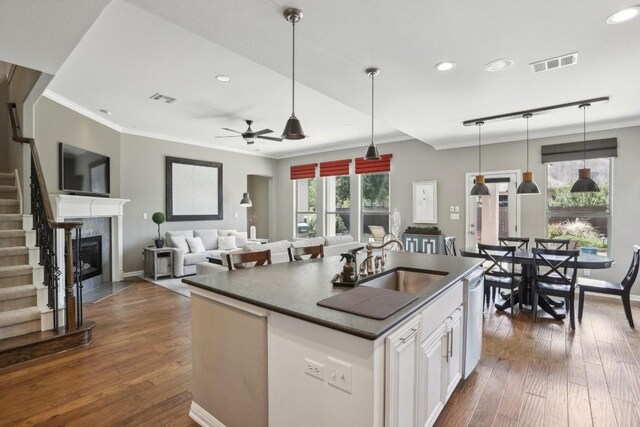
(226, 243)
(195, 245)
(178, 241)
(337, 240)
(311, 241)
(183, 233)
(275, 247)
(225, 232)
(193, 259)
(209, 238)
(241, 238)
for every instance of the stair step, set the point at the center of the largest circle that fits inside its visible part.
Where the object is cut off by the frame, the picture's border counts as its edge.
(19, 322)
(8, 191)
(12, 238)
(7, 175)
(8, 206)
(11, 222)
(16, 255)
(17, 297)
(15, 275)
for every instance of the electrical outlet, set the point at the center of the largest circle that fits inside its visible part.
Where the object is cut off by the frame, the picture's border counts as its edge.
(457, 208)
(144, 215)
(235, 214)
(452, 208)
(455, 216)
(313, 368)
(339, 374)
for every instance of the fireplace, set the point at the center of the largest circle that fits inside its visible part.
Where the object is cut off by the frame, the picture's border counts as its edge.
(91, 256)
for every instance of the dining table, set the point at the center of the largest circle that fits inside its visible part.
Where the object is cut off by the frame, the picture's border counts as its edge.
(525, 259)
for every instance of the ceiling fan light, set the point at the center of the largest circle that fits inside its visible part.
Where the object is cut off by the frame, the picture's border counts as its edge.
(585, 184)
(527, 186)
(246, 201)
(480, 188)
(293, 129)
(372, 152)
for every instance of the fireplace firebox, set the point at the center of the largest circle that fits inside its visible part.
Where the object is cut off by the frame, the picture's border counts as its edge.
(91, 256)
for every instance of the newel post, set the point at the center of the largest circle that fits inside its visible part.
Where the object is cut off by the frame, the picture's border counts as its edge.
(69, 294)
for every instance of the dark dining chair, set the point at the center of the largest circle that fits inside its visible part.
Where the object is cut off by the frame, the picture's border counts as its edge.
(498, 271)
(450, 246)
(622, 289)
(555, 244)
(555, 273)
(296, 254)
(248, 259)
(518, 242)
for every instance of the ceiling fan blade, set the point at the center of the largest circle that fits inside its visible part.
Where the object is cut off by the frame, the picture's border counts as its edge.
(229, 136)
(270, 138)
(263, 131)
(231, 130)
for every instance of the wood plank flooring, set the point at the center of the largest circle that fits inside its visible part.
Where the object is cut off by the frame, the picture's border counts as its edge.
(138, 370)
(554, 377)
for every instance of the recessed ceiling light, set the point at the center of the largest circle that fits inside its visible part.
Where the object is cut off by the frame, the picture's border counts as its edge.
(623, 15)
(445, 66)
(347, 125)
(222, 78)
(107, 112)
(499, 64)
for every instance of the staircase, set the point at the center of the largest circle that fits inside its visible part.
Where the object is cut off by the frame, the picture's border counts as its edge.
(19, 312)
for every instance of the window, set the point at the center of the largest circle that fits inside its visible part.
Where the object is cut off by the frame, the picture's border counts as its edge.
(374, 203)
(338, 205)
(582, 217)
(306, 219)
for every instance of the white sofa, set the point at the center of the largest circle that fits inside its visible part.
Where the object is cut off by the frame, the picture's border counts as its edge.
(333, 245)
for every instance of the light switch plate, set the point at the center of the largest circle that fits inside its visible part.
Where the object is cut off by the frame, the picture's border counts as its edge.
(339, 374)
(457, 208)
(452, 208)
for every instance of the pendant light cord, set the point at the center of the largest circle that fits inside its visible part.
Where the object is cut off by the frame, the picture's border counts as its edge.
(479, 124)
(293, 71)
(372, 104)
(584, 137)
(527, 117)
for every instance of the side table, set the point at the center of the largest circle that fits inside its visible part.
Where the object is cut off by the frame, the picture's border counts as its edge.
(158, 262)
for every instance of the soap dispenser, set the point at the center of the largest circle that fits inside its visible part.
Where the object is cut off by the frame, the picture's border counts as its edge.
(348, 268)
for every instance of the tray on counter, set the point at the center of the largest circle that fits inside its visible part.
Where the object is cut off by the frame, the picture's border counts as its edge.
(373, 303)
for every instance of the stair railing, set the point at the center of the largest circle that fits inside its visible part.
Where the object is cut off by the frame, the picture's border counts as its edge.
(46, 228)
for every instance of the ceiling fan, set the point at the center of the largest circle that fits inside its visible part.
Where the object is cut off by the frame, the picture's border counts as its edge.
(249, 135)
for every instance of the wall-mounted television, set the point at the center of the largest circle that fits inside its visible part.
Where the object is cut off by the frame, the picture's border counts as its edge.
(84, 172)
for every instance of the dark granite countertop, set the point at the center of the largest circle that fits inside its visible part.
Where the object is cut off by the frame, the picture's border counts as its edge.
(294, 288)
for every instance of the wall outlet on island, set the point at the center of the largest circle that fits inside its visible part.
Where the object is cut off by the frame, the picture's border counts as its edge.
(314, 368)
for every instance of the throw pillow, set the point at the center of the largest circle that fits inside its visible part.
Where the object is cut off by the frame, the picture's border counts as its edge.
(195, 245)
(241, 238)
(225, 232)
(337, 240)
(226, 243)
(209, 238)
(180, 242)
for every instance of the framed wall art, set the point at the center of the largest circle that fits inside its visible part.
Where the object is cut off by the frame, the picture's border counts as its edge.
(425, 202)
(193, 190)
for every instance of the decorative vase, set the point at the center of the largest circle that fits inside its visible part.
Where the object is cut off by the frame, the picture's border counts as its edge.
(252, 232)
(159, 243)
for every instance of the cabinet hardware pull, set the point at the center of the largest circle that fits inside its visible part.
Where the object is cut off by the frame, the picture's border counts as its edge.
(408, 337)
(451, 344)
(447, 352)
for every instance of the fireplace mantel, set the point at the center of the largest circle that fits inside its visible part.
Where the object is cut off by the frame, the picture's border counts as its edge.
(66, 206)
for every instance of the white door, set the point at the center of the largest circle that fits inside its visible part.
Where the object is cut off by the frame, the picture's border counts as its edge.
(454, 351)
(431, 387)
(496, 215)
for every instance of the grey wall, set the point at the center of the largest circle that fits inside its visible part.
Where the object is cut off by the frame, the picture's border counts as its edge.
(415, 161)
(143, 181)
(55, 124)
(5, 138)
(259, 191)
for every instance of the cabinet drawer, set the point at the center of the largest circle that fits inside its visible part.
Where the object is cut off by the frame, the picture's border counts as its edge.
(441, 308)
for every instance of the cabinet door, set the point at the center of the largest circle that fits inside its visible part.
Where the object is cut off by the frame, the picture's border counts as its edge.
(401, 375)
(432, 369)
(454, 351)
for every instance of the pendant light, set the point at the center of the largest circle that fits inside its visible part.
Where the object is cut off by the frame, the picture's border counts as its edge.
(372, 150)
(293, 128)
(584, 184)
(527, 186)
(246, 201)
(480, 188)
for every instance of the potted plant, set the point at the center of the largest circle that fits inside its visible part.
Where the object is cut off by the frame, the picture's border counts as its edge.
(159, 218)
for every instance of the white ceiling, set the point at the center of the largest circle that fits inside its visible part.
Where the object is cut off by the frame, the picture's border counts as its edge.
(163, 46)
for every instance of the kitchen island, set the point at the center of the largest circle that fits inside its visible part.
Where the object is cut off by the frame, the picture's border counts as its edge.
(265, 353)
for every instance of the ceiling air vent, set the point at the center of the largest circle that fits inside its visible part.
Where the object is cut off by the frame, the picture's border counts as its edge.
(161, 97)
(553, 63)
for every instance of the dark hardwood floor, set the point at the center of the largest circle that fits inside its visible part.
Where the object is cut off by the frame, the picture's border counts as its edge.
(138, 370)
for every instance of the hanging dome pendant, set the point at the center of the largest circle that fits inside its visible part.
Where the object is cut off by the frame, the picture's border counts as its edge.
(584, 184)
(293, 128)
(480, 188)
(372, 150)
(527, 186)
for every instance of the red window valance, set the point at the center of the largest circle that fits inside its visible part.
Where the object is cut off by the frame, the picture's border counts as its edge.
(304, 171)
(374, 166)
(335, 167)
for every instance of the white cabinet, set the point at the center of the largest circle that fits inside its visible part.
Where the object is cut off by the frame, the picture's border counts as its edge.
(431, 376)
(401, 367)
(453, 355)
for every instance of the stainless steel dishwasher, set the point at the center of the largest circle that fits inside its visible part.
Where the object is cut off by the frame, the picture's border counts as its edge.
(473, 286)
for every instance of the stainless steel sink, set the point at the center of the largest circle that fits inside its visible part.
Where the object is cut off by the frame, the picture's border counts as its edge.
(411, 282)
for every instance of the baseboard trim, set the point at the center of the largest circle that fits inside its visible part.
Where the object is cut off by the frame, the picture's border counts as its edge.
(133, 273)
(202, 417)
(597, 295)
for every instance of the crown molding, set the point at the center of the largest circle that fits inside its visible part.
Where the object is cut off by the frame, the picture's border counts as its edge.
(81, 110)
